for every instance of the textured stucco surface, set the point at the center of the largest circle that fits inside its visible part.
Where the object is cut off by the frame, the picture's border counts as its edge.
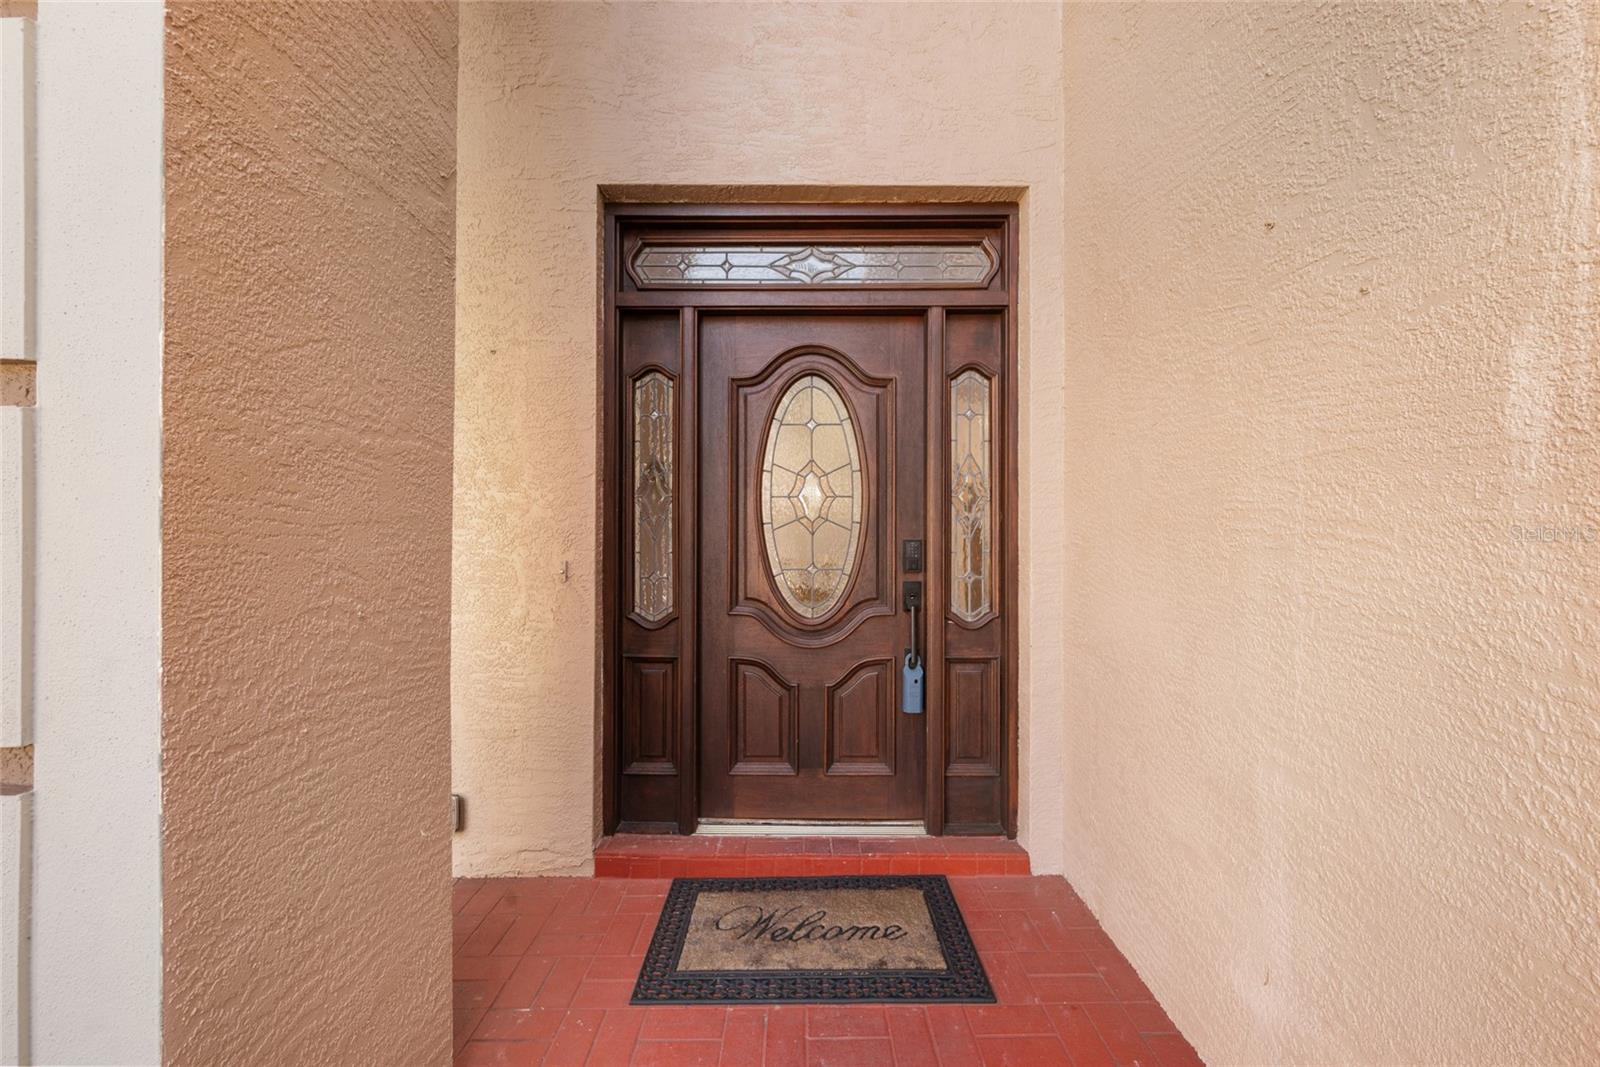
(749, 100)
(306, 533)
(1333, 435)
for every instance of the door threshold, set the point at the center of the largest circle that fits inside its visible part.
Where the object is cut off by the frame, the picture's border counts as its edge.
(801, 828)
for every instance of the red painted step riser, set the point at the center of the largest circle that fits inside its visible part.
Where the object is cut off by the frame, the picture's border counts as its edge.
(637, 866)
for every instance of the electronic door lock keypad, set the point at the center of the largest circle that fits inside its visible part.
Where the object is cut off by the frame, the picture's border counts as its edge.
(911, 557)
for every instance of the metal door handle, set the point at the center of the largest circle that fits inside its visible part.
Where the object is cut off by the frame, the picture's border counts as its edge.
(911, 600)
(912, 651)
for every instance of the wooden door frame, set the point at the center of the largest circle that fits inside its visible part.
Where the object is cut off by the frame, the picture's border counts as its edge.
(777, 220)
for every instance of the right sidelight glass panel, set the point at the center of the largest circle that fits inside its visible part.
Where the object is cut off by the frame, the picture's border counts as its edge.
(971, 516)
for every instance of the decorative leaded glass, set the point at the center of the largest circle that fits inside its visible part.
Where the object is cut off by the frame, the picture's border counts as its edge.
(811, 496)
(971, 522)
(653, 474)
(963, 263)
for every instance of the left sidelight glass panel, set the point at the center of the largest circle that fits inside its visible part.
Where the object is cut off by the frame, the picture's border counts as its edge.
(653, 478)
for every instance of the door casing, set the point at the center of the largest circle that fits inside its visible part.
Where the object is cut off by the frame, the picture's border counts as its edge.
(624, 225)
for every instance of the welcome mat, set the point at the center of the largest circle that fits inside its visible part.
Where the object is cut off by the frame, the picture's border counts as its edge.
(811, 940)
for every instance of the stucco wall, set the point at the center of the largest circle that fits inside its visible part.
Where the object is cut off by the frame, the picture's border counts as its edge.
(1333, 428)
(558, 100)
(306, 533)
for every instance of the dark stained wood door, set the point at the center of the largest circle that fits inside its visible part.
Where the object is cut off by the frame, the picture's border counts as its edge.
(812, 472)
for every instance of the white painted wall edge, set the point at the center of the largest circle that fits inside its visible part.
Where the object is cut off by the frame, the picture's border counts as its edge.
(96, 954)
(16, 578)
(16, 854)
(17, 86)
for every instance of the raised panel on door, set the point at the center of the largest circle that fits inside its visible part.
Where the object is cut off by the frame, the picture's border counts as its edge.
(860, 722)
(762, 707)
(972, 724)
(649, 716)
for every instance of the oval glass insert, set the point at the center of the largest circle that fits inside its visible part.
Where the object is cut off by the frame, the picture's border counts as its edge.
(811, 496)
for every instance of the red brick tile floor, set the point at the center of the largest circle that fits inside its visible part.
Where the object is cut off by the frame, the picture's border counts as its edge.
(544, 968)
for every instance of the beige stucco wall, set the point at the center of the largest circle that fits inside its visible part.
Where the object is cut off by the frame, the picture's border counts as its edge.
(1331, 749)
(558, 100)
(306, 533)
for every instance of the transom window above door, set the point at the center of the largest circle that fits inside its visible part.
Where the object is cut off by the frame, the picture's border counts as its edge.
(677, 266)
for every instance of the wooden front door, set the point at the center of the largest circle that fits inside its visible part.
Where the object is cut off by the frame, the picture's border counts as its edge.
(812, 449)
(796, 399)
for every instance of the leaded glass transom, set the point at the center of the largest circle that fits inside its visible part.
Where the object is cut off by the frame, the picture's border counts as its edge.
(971, 520)
(653, 476)
(811, 496)
(959, 263)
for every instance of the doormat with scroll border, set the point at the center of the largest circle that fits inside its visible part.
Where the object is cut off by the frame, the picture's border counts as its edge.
(710, 926)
